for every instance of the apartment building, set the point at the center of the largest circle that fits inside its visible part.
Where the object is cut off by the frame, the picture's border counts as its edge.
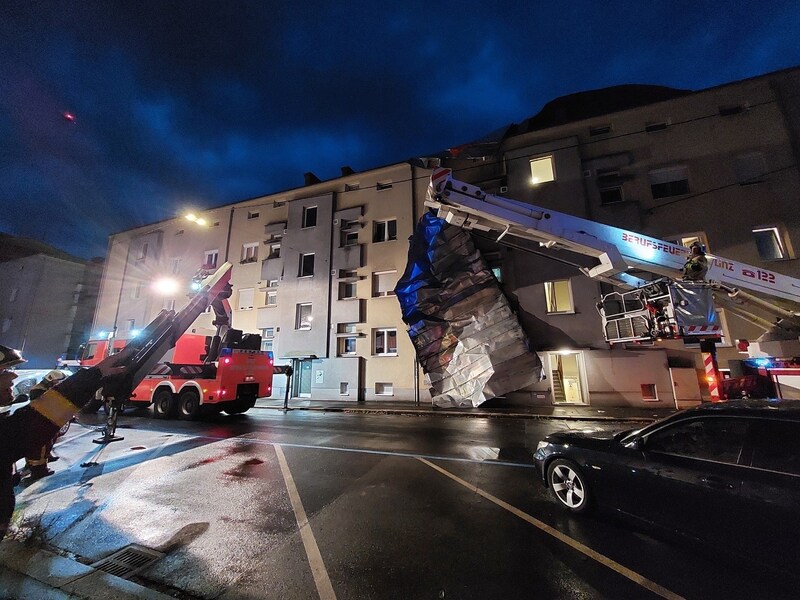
(314, 269)
(47, 302)
(717, 165)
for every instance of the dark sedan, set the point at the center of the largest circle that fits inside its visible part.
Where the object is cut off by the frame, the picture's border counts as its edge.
(724, 473)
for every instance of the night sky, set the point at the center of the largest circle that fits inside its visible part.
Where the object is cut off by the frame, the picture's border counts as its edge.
(117, 114)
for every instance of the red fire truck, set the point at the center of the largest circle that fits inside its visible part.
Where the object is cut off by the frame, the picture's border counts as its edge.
(202, 374)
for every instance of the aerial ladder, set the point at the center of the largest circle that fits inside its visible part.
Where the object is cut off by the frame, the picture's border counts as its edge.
(652, 301)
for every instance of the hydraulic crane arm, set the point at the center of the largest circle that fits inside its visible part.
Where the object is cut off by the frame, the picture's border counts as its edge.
(618, 251)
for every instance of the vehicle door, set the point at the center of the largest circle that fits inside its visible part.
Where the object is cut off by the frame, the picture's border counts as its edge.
(692, 477)
(771, 493)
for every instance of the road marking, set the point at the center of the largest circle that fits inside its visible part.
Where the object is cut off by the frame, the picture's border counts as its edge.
(602, 559)
(321, 579)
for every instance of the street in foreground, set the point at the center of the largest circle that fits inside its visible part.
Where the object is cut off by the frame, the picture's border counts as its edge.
(304, 505)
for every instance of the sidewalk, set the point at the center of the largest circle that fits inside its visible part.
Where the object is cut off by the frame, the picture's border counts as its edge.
(579, 413)
(27, 572)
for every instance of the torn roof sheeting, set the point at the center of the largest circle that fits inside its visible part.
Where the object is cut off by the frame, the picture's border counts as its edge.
(469, 343)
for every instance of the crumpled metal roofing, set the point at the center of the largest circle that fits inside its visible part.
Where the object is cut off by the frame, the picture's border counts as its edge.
(468, 341)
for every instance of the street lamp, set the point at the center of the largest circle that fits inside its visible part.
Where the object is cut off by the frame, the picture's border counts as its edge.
(203, 223)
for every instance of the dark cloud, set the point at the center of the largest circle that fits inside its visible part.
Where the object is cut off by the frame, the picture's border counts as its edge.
(209, 102)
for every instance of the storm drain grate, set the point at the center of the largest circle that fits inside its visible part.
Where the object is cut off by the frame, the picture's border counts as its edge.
(127, 562)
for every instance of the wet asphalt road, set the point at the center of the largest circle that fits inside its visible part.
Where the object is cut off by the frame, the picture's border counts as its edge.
(309, 505)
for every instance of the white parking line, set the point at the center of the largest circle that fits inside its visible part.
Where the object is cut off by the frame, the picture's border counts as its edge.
(321, 579)
(603, 560)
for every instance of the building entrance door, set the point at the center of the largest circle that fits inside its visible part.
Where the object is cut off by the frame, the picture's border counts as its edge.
(568, 375)
(304, 379)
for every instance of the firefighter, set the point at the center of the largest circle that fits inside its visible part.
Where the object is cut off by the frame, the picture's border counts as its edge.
(28, 429)
(696, 266)
(37, 463)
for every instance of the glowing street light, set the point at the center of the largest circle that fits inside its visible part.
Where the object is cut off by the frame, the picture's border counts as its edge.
(166, 286)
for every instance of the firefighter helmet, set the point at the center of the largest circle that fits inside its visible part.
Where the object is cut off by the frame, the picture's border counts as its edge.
(10, 357)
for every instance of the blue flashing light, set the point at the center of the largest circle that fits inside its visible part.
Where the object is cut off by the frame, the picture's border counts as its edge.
(102, 334)
(225, 352)
(135, 332)
(195, 285)
(763, 362)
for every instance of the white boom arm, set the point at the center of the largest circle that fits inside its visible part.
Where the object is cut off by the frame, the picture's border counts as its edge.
(617, 250)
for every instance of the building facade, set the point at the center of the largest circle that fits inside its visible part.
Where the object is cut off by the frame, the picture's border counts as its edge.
(718, 166)
(46, 305)
(314, 271)
(315, 266)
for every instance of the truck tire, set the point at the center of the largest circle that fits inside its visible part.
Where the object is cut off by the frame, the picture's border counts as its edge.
(164, 404)
(189, 405)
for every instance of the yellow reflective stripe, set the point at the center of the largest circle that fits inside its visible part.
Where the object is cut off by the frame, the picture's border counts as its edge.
(54, 407)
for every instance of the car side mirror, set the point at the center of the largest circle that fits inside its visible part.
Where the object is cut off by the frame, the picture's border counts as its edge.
(639, 443)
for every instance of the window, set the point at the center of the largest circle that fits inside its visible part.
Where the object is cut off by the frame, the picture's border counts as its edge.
(143, 251)
(169, 304)
(249, 252)
(609, 184)
(649, 393)
(346, 328)
(176, 266)
(309, 216)
(274, 250)
(670, 181)
(383, 283)
(731, 109)
(558, 296)
(716, 438)
(384, 231)
(769, 243)
(306, 265)
(349, 238)
(267, 339)
(272, 283)
(303, 316)
(600, 130)
(13, 296)
(252, 214)
(272, 298)
(777, 446)
(136, 292)
(383, 185)
(351, 187)
(210, 259)
(384, 389)
(657, 126)
(347, 289)
(246, 298)
(751, 168)
(344, 388)
(542, 170)
(385, 342)
(346, 346)
(131, 324)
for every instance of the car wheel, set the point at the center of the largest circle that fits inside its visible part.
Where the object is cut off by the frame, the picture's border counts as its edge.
(568, 485)
(164, 404)
(189, 405)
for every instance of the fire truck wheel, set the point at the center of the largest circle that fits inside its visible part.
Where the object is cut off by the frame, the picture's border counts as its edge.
(164, 405)
(188, 405)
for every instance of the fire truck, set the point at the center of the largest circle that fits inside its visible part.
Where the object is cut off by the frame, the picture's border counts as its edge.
(651, 301)
(199, 374)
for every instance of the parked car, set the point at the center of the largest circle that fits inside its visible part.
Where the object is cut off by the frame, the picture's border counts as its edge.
(726, 473)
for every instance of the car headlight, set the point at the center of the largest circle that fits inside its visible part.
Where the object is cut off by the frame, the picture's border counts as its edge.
(542, 445)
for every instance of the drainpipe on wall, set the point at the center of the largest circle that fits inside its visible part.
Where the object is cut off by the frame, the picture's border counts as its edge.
(414, 218)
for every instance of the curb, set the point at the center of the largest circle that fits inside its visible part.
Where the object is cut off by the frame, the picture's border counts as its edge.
(28, 572)
(445, 412)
